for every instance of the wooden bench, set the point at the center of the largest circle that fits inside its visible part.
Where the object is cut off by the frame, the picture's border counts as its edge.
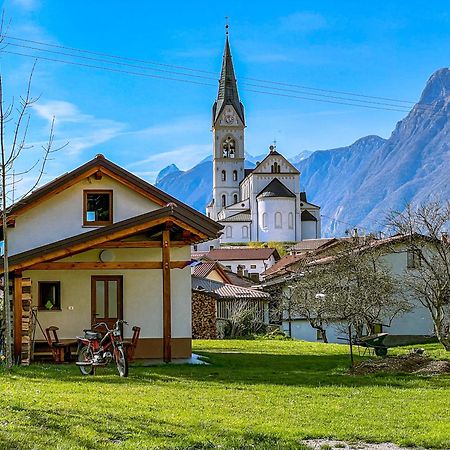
(60, 349)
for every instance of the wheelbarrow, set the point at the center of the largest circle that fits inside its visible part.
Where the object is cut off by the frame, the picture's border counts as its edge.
(374, 341)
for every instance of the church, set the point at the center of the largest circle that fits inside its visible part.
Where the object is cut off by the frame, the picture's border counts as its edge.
(261, 204)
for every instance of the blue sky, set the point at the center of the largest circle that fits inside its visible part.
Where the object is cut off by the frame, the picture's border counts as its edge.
(386, 49)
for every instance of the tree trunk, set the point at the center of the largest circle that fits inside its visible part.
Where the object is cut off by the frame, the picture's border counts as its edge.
(323, 333)
(442, 333)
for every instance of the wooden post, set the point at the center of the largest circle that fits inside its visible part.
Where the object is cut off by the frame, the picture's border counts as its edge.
(17, 315)
(352, 363)
(167, 298)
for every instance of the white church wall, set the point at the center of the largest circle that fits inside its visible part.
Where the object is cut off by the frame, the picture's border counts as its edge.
(309, 230)
(236, 232)
(273, 219)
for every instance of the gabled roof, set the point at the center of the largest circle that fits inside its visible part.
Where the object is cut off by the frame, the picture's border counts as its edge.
(306, 216)
(282, 266)
(242, 254)
(206, 267)
(98, 166)
(228, 92)
(244, 216)
(239, 280)
(203, 228)
(311, 244)
(276, 189)
(271, 154)
(227, 291)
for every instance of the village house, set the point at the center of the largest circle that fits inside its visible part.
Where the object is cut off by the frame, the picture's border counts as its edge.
(100, 244)
(408, 327)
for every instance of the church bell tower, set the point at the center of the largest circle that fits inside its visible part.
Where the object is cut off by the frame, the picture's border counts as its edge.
(228, 125)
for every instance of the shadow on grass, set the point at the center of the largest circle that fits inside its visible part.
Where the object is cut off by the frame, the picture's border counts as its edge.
(111, 429)
(243, 369)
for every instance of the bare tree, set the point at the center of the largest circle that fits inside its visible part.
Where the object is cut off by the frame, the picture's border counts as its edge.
(428, 278)
(14, 124)
(353, 286)
(244, 317)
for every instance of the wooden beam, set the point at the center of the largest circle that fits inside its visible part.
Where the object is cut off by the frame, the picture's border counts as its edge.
(140, 244)
(17, 314)
(130, 244)
(80, 247)
(124, 265)
(167, 298)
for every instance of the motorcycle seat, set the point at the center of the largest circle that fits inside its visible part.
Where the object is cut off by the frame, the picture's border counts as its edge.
(92, 335)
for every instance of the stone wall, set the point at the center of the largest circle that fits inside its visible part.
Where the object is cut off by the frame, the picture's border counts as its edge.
(203, 316)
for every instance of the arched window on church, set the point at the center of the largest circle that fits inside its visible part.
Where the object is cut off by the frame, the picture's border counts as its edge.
(234, 175)
(224, 175)
(228, 232)
(224, 200)
(264, 220)
(228, 148)
(235, 198)
(275, 168)
(291, 221)
(278, 220)
(245, 232)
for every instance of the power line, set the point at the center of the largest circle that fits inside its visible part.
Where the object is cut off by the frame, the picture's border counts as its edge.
(129, 72)
(204, 77)
(109, 55)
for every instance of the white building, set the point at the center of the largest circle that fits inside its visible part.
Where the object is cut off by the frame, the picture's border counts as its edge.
(261, 204)
(397, 256)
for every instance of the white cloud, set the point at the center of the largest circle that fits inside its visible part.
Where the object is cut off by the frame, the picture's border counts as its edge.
(81, 131)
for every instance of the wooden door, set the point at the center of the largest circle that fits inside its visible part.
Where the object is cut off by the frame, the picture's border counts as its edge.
(106, 299)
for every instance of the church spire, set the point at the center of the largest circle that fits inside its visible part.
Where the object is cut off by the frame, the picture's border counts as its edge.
(228, 92)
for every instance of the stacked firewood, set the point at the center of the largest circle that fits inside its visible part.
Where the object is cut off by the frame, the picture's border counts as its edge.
(203, 316)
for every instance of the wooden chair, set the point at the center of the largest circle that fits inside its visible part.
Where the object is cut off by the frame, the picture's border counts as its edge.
(130, 345)
(60, 350)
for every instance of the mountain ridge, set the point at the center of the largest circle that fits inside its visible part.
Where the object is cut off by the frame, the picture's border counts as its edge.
(358, 184)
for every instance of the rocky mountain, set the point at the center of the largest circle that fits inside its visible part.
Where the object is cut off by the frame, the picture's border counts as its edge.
(357, 185)
(170, 169)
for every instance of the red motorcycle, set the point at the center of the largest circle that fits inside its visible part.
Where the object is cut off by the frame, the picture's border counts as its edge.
(97, 350)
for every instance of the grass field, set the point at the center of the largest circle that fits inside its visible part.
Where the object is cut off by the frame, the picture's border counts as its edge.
(254, 394)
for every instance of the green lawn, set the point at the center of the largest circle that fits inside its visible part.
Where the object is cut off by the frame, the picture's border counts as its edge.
(255, 394)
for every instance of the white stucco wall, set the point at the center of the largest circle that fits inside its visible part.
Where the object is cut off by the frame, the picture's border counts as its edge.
(271, 206)
(261, 265)
(142, 295)
(61, 216)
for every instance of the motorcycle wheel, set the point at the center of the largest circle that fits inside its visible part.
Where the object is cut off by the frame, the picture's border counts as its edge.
(85, 354)
(121, 362)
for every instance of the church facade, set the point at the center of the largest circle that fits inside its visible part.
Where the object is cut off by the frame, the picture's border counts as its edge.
(261, 204)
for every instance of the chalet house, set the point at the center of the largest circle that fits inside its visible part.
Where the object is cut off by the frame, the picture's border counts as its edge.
(98, 244)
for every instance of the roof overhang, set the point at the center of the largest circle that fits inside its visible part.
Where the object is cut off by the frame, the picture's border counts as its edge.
(170, 217)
